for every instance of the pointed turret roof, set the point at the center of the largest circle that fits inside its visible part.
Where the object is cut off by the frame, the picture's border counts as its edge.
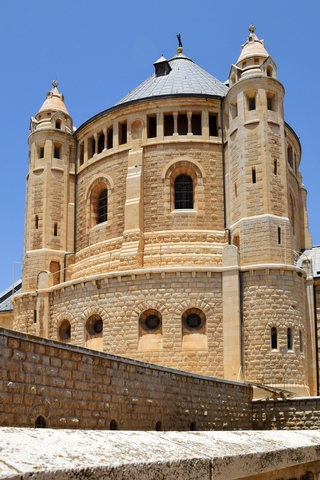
(54, 100)
(253, 47)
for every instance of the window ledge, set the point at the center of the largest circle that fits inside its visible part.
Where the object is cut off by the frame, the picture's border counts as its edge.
(184, 210)
(95, 227)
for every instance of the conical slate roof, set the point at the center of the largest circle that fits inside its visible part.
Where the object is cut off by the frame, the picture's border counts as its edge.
(183, 77)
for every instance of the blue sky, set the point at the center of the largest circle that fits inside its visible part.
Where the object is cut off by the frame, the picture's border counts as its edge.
(99, 50)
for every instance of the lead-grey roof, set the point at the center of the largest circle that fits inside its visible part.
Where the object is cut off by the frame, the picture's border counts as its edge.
(184, 78)
(6, 296)
(312, 254)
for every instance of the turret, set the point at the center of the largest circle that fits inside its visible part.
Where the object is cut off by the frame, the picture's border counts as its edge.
(257, 210)
(50, 192)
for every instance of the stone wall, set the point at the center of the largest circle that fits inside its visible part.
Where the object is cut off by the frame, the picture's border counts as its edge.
(73, 387)
(286, 414)
(121, 299)
(275, 298)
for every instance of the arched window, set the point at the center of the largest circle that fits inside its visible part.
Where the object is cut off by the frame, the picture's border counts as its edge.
(65, 330)
(274, 338)
(40, 422)
(113, 425)
(183, 192)
(103, 206)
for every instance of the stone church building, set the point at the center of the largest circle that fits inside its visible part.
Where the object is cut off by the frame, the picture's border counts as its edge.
(172, 227)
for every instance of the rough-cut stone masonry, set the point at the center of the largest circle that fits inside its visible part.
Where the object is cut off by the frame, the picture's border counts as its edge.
(274, 298)
(120, 300)
(73, 387)
(286, 414)
(158, 455)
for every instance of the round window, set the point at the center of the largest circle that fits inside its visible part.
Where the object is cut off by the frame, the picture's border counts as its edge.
(193, 320)
(152, 322)
(94, 325)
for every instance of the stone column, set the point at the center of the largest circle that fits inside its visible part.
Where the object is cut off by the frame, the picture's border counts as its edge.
(231, 313)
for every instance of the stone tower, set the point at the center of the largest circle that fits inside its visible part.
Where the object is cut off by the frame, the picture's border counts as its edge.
(266, 219)
(49, 214)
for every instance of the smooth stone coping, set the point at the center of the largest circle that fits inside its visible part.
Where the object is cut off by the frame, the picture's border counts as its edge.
(78, 454)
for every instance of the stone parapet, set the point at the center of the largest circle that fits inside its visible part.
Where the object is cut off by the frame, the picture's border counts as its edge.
(149, 455)
(287, 414)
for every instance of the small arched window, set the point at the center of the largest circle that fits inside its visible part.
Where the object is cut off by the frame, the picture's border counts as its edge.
(103, 206)
(113, 425)
(269, 71)
(65, 330)
(183, 192)
(40, 422)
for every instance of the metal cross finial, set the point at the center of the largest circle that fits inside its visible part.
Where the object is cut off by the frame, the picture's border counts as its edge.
(55, 83)
(251, 28)
(179, 40)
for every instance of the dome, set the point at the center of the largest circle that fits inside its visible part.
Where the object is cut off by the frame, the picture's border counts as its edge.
(54, 100)
(182, 77)
(253, 47)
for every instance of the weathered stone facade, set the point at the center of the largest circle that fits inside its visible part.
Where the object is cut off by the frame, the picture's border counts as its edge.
(166, 228)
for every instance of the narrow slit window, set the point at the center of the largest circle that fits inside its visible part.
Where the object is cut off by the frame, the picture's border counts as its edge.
(91, 146)
(81, 154)
(123, 133)
(110, 138)
(254, 175)
(55, 230)
(34, 316)
(100, 143)
(275, 167)
(36, 222)
(57, 151)
(279, 236)
(274, 338)
(252, 103)
(41, 152)
(289, 339)
(235, 190)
